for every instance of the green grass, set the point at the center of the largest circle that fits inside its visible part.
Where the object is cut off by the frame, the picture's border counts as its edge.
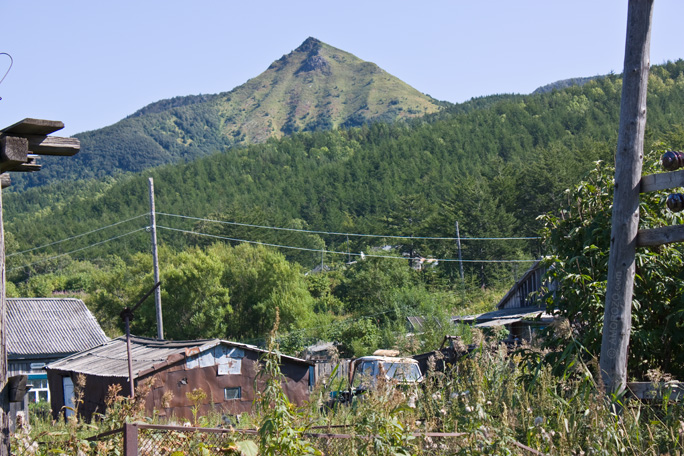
(490, 397)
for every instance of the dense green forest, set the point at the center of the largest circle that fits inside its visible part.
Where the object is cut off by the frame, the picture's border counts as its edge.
(314, 87)
(493, 165)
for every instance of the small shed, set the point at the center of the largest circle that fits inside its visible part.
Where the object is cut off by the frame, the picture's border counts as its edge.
(521, 322)
(226, 371)
(520, 311)
(522, 293)
(44, 330)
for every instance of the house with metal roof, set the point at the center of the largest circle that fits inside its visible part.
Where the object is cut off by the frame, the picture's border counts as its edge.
(43, 330)
(226, 371)
(519, 310)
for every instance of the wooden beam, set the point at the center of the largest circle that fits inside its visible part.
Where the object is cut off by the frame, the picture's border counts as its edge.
(13, 151)
(662, 181)
(33, 127)
(53, 145)
(26, 168)
(659, 236)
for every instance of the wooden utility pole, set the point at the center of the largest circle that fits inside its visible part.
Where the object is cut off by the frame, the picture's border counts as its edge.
(20, 145)
(460, 260)
(155, 257)
(617, 319)
(4, 394)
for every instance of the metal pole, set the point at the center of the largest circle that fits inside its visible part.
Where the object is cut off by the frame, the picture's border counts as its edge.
(157, 292)
(130, 435)
(128, 352)
(127, 315)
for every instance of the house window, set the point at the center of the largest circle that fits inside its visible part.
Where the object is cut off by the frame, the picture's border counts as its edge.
(39, 390)
(232, 393)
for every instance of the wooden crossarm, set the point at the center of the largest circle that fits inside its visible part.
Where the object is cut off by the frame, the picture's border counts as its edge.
(53, 145)
(662, 181)
(33, 127)
(659, 236)
(26, 168)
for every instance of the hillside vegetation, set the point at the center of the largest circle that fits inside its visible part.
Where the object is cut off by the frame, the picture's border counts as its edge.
(315, 87)
(493, 165)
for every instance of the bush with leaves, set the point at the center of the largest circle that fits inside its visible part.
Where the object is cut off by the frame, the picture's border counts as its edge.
(282, 426)
(578, 242)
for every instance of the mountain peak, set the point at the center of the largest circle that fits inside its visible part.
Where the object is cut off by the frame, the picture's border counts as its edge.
(310, 46)
(314, 87)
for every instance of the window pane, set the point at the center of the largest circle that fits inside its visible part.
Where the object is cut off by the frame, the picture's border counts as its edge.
(232, 393)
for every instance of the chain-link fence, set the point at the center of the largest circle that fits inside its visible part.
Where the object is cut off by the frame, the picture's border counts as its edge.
(154, 440)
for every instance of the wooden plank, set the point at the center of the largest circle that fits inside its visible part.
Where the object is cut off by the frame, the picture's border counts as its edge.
(657, 391)
(13, 151)
(25, 168)
(662, 181)
(33, 127)
(660, 236)
(53, 145)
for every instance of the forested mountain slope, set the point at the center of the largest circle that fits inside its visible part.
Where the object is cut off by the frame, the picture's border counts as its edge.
(494, 169)
(315, 87)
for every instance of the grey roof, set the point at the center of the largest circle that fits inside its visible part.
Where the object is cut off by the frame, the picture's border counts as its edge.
(110, 359)
(50, 326)
(505, 316)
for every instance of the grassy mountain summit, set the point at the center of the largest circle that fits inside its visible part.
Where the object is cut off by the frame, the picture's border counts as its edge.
(318, 87)
(314, 87)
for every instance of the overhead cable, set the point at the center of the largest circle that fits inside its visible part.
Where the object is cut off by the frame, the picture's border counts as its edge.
(361, 254)
(42, 260)
(299, 230)
(77, 236)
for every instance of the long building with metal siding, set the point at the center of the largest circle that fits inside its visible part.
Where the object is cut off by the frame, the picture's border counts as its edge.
(226, 371)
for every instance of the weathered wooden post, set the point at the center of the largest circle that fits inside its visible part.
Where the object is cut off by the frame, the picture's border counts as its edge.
(617, 320)
(19, 146)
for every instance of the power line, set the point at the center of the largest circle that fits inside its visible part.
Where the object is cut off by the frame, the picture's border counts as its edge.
(299, 230)
(271, 228)
(362, 255)
(42, 260)
(77, 236)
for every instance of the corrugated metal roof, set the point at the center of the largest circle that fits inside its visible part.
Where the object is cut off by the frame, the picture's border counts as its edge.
(504, 316)
(111, 360)
(47, 326)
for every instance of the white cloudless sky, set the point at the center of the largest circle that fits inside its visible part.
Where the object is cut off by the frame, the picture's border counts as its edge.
(90, 63)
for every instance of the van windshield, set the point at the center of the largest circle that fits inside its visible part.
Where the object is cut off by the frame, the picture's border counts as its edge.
(403, 372)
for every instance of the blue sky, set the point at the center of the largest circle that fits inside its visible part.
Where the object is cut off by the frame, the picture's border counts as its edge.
(91, 63)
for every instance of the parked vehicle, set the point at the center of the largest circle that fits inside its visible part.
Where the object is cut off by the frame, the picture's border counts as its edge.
(367, 372)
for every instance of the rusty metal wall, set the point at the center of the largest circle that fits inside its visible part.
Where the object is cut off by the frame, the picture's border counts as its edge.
(177, 380)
